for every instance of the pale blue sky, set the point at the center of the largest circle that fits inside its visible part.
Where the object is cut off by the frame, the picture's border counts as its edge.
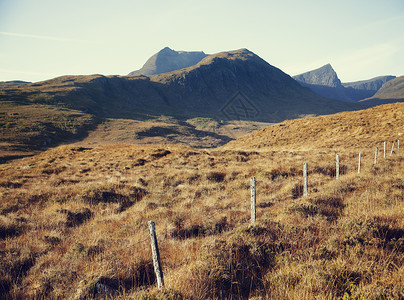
(42, 39)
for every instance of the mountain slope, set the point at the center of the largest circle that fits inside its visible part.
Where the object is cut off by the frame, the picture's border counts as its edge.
(235, 85)
(167, 60)
(347, 130)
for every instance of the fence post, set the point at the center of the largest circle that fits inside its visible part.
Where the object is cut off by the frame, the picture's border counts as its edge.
(392, 150)
(359, 163)
(253, 200)
(337, 167)
(377, 149)
(305, 179)
(156, 255)
(384, 153)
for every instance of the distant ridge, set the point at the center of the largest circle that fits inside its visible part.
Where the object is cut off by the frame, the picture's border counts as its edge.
(167, 60)
(391, 91)
(325, 82)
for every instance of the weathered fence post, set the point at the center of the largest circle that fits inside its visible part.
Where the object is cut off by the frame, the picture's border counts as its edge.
(359, 163)
(337, 167)
(253, 200)
(384, 153)
(377, 149)
(392, 150)
(305, 179)
(156, 255)
(398, 146)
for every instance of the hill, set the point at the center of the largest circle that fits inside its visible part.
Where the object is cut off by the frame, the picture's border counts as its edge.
(74, 220)
(12, 83)
(167, 60)
(347, 130)
(325, 82)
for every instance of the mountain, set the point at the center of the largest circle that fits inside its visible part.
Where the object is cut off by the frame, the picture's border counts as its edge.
(391, 91)
(167, 60)
(363, 129)
(324, 76)
(325, 82)
(235, 85)
(359, 90)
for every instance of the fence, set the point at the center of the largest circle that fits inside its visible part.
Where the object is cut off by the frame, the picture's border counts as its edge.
(253, 190)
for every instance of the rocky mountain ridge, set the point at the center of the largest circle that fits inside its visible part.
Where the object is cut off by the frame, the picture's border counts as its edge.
(325, 82)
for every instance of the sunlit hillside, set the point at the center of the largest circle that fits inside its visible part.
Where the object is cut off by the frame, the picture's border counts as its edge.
(361, 130)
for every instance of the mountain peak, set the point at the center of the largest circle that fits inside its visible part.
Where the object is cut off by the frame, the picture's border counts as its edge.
(167, 60)
(323, 76)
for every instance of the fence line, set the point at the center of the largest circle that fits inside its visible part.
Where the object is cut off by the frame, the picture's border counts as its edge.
(152, 229)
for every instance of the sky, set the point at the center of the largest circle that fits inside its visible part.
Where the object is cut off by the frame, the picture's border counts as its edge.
(43, 39)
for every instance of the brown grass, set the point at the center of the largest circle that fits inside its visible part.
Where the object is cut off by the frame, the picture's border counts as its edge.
(359, 130)
(73, 224)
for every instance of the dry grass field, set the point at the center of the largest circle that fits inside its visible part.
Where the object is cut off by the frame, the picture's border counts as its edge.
(73, 219)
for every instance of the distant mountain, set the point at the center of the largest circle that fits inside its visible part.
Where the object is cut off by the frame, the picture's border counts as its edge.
(391, 91)
(366, 88)
(325, 82)
(235, 85)
(167, 60)
(324, 76)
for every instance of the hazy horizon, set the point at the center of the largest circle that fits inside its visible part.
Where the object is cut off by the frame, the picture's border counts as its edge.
(44, 39)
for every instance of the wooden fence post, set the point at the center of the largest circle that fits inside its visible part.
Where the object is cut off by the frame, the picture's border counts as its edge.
(253, 200)
(156, 255)
(305, 180)
(392, 150)
(377, 149)
(384, 153)
(359, 163)
(337, 167)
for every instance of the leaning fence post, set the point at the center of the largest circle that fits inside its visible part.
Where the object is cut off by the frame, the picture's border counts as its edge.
(253, 200)
(384, 153)
(337, 167)
(377, 149)
(305, 179)
(156, 255)
(359, 163)
(392, 150)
